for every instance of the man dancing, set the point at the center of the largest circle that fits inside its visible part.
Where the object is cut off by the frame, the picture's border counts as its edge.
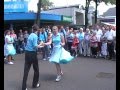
(31, 58)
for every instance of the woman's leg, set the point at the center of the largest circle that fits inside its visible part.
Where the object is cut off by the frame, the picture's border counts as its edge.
(59, 71)
(9, 58)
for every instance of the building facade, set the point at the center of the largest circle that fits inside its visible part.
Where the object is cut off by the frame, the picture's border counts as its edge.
(76, 12)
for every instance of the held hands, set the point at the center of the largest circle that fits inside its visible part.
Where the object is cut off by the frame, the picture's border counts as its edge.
(62, 44)
(41, 44)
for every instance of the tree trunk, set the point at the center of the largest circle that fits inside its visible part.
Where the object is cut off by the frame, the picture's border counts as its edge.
(38, 13)
(96, 12)
(86, 13)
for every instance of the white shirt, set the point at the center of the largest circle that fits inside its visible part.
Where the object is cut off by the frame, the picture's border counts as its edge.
(99, 34)
(110, 35)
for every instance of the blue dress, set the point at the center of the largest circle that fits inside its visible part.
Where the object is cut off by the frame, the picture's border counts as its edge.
(59, 54)
(9, 48)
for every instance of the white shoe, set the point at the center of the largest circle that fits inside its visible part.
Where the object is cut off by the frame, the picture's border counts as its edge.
(48, 57)
(88, 55)
(10, 63)
(26, 89)
(58, 78)
(76, 55)
(44, 59)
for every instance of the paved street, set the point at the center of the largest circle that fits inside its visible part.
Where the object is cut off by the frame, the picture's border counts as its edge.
(80, 74)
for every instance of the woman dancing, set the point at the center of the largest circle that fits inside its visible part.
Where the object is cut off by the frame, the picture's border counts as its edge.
(57, 53)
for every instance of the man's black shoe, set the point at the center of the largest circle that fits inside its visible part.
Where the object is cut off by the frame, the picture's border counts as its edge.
(37, 86)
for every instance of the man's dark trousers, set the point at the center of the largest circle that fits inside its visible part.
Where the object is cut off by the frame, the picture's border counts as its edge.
(30, 58)
(110, 47)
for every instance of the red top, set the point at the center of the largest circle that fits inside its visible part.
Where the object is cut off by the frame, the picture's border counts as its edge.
(75, 42)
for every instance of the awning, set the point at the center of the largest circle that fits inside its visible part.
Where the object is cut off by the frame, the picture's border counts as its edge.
(109, 24)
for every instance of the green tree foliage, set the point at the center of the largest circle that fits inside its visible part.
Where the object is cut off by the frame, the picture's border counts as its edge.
(110, 1)
(107, 1)
(45, 4)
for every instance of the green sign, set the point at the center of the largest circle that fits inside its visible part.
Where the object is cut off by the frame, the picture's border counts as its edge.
(67, 18)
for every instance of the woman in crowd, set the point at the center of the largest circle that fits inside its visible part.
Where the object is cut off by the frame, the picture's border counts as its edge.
(81, 40)
(25, 37)
(21, 41)
(94, 44)
(43, 38)
(104, 45)
(57, 52)
(69, 38)
(49, 46)
(15, 44)
(87, 43)
(9, 49)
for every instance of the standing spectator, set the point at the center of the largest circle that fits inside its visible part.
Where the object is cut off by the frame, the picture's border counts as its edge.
(115, 41)
(49, 46)
(15, 43)
(87, 43)
(25, 37)
(94, 44)
(43, 38)
(81, 40)
(99, 34)
(9, 49)
(47, 29)
(21, 41)
(69, 38)
(75, 44)
(104, 45)
(67, 30)
(63, 33)
(110, 35)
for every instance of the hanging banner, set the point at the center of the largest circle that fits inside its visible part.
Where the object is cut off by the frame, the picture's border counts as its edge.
(19, 6)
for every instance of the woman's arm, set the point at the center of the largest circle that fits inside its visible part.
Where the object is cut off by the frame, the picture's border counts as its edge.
(9, 42)
(62, 40)
(49, 42)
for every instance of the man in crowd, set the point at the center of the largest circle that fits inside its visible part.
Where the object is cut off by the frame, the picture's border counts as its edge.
(110, 36)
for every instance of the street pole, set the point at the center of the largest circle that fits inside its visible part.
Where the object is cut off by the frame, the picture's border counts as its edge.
(86, 15)
(96, 3)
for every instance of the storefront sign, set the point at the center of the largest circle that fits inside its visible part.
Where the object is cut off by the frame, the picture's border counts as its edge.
(18, 6)
(67, 18)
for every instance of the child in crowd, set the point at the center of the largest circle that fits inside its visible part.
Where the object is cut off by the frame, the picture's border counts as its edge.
(75, 44)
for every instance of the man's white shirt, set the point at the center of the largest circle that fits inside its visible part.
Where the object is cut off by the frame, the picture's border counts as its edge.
(110, 34)
(98, 34)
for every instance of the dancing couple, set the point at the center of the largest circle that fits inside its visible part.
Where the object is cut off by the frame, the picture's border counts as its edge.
(59, 55)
